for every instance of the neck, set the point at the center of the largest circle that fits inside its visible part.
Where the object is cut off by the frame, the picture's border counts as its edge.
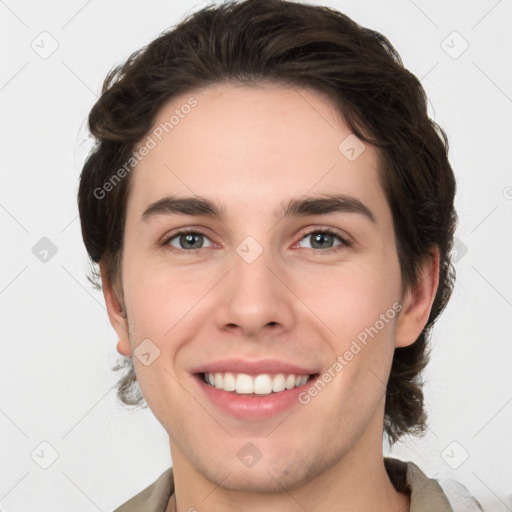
(386, 499)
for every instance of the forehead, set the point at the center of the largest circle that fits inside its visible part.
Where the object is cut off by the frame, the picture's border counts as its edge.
(248, 144)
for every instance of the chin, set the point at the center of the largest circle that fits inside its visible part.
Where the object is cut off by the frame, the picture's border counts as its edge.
(257, 480)
(266, 476)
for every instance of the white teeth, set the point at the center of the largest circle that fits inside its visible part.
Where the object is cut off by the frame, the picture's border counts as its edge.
(290, 382)
(263, 384)
(229, 383)
(278, 383)
(243, 383)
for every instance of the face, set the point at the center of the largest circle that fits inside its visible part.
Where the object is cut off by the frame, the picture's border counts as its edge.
(262, 291)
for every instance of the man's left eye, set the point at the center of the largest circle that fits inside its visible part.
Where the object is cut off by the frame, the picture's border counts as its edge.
(323, 239)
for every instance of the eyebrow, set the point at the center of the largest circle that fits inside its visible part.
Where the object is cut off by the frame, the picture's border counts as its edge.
(298, 207)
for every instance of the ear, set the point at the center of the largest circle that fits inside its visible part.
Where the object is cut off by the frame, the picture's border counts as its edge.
(417, 302)
(116, 311)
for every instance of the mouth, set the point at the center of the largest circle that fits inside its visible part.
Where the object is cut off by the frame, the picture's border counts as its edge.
(256, 385)
(250, 389)
(254, 397)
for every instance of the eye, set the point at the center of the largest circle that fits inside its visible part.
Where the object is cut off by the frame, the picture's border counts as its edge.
(323, 239)
(193, 241)
(188, 241)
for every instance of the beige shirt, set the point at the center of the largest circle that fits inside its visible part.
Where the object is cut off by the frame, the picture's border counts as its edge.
(426, 494)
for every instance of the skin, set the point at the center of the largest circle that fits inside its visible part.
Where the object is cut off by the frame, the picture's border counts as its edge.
(252, 147)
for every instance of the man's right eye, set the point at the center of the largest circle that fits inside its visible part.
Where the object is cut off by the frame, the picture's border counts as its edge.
(187, 241)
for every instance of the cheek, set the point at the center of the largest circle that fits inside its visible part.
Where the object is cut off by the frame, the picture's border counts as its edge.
(157, 298)
(360, 305)
(351, 297)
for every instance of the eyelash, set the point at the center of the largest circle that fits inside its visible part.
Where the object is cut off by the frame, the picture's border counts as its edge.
(344, 241)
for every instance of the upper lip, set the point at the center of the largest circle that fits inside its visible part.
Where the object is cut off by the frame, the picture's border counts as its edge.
(252, 367)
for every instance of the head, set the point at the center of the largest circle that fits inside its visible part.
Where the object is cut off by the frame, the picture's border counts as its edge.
(249, 105)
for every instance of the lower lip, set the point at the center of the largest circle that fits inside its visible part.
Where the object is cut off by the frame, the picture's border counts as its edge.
(254, 407)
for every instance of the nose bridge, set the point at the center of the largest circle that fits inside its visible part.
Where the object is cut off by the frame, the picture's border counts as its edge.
(252, 278)
(253, 296)
(253, 251)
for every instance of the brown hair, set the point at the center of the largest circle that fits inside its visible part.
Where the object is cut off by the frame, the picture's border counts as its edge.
(298, 45)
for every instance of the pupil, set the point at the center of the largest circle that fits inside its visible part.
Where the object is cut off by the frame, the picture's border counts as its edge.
(319, 237)
(190, 237)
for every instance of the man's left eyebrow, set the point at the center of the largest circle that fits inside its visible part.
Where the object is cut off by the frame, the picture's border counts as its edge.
(297, 207)
(327, 204)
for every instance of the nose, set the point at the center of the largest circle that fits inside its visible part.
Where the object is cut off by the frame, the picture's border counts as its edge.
(254, 298)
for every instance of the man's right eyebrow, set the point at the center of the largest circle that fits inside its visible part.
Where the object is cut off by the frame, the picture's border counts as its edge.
(184, 206)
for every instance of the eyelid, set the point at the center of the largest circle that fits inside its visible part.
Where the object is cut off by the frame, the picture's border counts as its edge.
(184, 230)
(326, 229)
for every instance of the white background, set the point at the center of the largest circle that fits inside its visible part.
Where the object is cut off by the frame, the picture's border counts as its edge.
(57, 346)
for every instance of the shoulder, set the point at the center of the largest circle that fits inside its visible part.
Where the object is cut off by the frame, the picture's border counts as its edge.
(459, 497)
(153, 498)
(426, 493)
